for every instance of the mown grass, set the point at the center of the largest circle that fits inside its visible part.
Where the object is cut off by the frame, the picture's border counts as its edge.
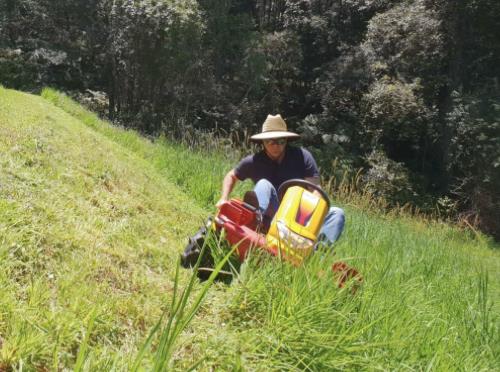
(78, 251)
(195, 171)
(89, 238)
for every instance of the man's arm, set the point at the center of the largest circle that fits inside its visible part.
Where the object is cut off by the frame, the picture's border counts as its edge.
(228, 183)
(311, 169)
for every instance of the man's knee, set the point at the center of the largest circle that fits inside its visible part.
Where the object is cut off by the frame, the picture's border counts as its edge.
(337, 213)
(267, 197)
(263, 183)
(264, 187)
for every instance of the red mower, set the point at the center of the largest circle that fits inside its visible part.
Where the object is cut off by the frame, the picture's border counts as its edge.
(291, 235)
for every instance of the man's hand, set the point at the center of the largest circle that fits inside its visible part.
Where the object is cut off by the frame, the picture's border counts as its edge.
(314, 180)
(220, 202)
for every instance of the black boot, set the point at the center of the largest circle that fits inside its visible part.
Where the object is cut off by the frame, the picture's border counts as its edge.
(250, 198)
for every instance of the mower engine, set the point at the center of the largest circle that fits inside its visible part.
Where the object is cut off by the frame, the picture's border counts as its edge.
(242, 224)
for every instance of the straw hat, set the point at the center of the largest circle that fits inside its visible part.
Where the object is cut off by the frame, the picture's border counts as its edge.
(274, 127)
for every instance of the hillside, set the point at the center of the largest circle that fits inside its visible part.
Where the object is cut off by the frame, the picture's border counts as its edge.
(87, 229)
(92, 219)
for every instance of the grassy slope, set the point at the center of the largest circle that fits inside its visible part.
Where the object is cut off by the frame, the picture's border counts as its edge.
(87, 228)
(89, 222)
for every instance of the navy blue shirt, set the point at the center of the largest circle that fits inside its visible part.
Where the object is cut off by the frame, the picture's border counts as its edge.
(297, 163)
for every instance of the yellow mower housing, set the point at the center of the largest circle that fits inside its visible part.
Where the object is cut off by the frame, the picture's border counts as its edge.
(296, 225)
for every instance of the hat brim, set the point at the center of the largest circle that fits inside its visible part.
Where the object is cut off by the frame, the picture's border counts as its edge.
(274, 135)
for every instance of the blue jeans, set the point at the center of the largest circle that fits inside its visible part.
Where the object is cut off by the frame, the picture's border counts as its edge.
(268, 205)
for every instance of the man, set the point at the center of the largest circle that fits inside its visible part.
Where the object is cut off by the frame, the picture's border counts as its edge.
(275, 164)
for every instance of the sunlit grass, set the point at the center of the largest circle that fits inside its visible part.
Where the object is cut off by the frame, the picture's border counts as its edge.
(181, 312)
(423, 305)
(89, 237)
(193, 169)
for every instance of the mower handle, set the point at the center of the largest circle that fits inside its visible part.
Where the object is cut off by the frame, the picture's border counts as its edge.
(306, 185)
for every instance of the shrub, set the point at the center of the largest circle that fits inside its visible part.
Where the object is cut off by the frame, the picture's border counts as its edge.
(388, 179)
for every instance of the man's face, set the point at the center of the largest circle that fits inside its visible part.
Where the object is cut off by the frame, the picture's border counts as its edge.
(275, 148)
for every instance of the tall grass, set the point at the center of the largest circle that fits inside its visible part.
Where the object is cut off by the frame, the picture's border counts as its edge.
(197, 161)
(180, 313)
(424, 305)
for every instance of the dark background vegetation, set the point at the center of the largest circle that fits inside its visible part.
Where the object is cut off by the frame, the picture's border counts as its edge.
(408, 91)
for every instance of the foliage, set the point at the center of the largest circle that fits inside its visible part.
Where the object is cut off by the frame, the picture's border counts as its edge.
(61, 43)
(395, 111)
(387, 179)
(475, 159)
(153, 48)
(405, 42)
(274, 60)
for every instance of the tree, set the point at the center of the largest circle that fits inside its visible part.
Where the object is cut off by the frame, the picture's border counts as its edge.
(475, 159)
(153, 50)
